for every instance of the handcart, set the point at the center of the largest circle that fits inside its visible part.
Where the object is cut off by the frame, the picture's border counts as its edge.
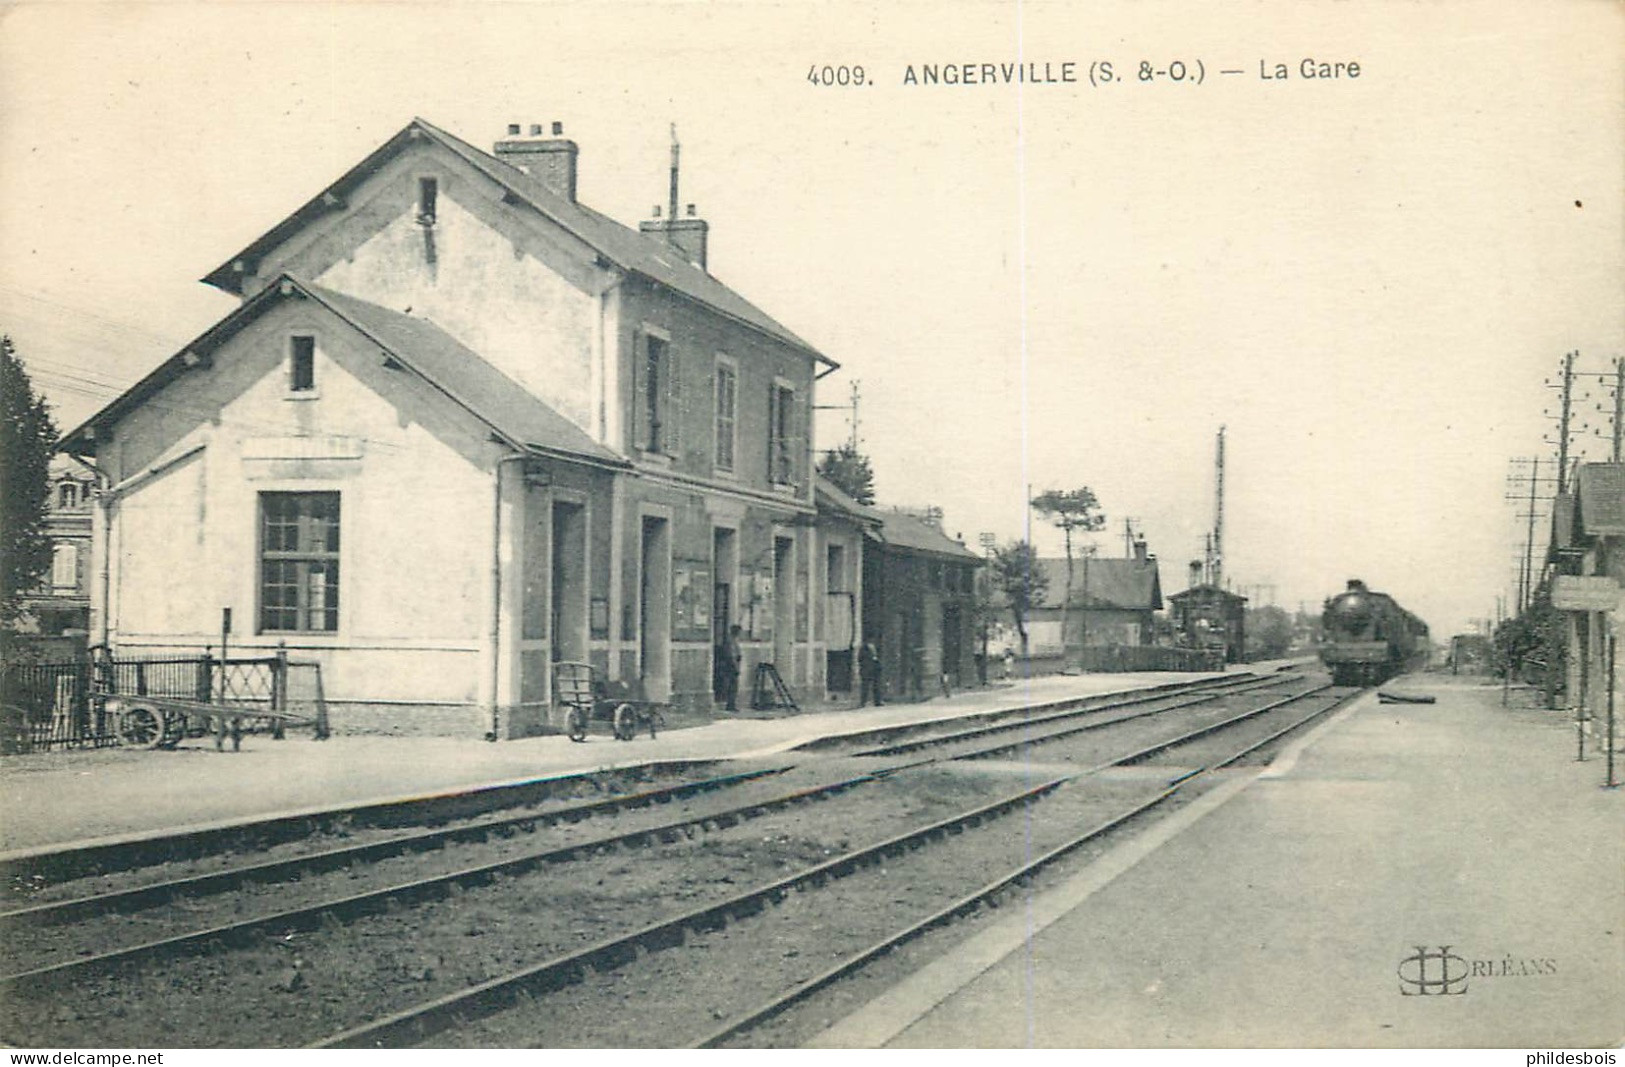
(585, 697)
(163, 722)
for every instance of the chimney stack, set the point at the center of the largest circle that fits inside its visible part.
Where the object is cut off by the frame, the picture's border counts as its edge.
(1140, 550)
(550, 160)
(688, 235)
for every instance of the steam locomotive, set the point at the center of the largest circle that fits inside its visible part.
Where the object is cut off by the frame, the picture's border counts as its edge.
(1367, 638)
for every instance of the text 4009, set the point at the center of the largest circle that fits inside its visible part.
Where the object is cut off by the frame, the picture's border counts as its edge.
(836, 75)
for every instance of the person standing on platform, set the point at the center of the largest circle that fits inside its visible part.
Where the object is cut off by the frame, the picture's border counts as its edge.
(729, 656)
(869, 675)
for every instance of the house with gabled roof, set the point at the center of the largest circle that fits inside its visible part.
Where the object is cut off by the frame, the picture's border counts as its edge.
(1113, 602)
(463, 427)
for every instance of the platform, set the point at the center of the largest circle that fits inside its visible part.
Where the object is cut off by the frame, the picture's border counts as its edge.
(1286, 908)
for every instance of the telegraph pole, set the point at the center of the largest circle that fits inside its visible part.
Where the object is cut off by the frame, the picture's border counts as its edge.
(1531, 501)
(852, 406)
(1218, 513)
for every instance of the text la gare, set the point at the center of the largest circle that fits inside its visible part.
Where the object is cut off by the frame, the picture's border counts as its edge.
(1311, 69)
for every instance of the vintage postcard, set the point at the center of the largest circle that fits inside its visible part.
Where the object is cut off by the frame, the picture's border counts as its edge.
(813, 524)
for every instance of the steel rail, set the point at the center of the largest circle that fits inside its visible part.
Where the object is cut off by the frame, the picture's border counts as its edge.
(64, 864)
(969, 903)
(1336, 703)
(965, 905)
(1071, 731)
(1181, 700)
(1162, 746)
(1091, 702)
(271, 871)
(430, 1017)
(371, 902)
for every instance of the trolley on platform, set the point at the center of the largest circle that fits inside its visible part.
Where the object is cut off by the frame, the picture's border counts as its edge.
(585, 697)
(163, 722)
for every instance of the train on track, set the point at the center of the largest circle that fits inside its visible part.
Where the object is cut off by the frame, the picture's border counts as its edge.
(1367, 638)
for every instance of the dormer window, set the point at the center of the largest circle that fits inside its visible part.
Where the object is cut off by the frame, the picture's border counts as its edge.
(67, 495)
(428, 196)
(301, 363)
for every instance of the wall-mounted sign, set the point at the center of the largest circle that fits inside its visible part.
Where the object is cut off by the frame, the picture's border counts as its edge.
(1570, 593)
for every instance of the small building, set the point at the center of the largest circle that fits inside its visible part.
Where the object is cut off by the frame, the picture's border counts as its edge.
(56, 613)
(1114, 602)
(918, 605)
(1207, 617)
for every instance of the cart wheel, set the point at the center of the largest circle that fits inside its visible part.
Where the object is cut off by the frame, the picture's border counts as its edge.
(141, 726)
(575, 724)
(175, 723)
(625, 722)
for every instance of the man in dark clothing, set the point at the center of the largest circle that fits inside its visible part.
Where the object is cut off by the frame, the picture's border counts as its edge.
(729, 655)
(869, 675)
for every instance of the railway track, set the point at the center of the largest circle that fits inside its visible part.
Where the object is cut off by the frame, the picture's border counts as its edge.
(120, 900)
(27, 877)
(414, 1023)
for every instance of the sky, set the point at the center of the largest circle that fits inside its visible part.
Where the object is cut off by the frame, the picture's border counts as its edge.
(1366, 280)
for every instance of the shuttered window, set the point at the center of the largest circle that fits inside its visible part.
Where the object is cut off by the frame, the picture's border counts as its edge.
(782, 438)
(727, 395)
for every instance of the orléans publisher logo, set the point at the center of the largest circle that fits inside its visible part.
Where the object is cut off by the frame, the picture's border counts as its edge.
(1441, 972)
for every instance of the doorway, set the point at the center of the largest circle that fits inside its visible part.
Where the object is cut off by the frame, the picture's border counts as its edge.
(723, 564)
(568, 607)
(654, 608)
(784, 606)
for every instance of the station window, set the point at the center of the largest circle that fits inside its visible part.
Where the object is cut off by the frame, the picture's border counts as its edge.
(301, 363)
(726, 405)
(428, 200)
(781, 445)
(659, 399)
(299, 561)
(64, 566)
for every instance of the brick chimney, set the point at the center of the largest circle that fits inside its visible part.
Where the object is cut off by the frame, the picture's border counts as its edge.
(1140, 550)
(687, 235)
(549, 159)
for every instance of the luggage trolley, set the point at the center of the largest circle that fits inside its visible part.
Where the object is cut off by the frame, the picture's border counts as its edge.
(584, 697)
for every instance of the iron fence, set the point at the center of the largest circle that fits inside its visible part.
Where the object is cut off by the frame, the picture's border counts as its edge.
(61, 705)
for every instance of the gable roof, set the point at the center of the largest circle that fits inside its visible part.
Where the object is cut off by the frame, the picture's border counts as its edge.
(911, 534)
(508, 408)
(620, 246)
(1124, 584)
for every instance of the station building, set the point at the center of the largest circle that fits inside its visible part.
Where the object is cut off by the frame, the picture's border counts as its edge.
(1588, 554)
(461, 427)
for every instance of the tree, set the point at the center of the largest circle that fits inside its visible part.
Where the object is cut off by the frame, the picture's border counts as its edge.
(1017, 575)
(850, 471)
(27, 440)
(1069, 510)
(1269, 632)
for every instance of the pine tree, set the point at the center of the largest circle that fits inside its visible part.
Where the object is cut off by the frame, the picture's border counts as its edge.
(850, 471)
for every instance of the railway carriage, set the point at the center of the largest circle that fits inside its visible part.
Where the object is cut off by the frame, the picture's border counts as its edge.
(1367, 638)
